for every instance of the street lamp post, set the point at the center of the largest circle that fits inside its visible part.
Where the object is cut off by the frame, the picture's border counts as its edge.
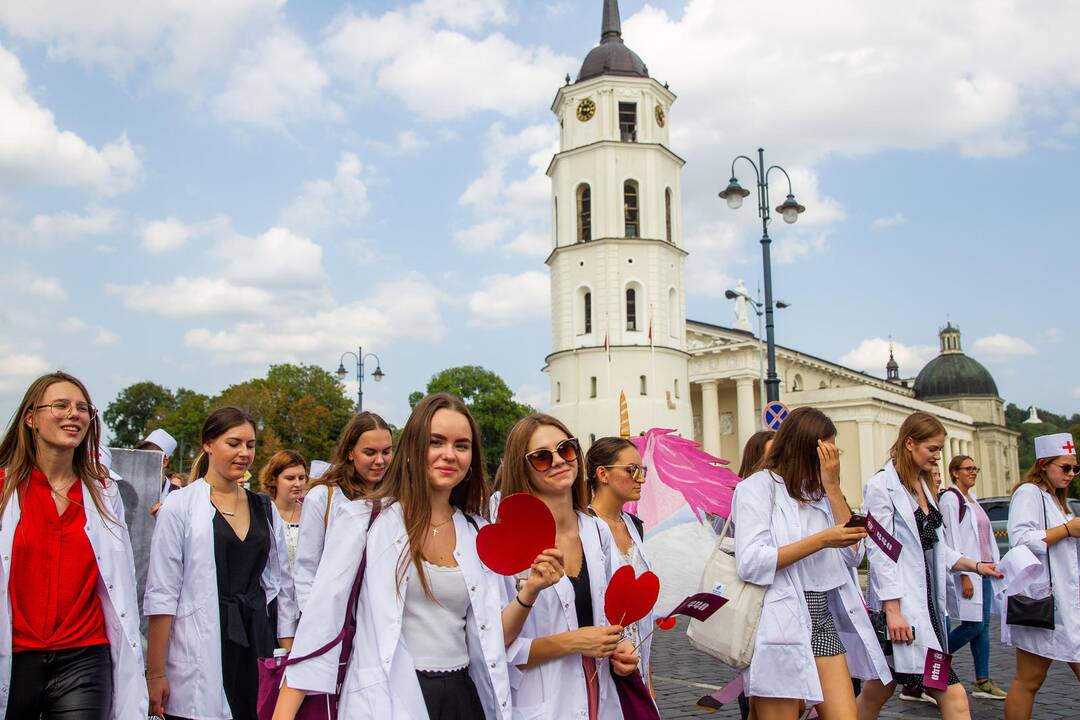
(360, 357)
(758, 305)
(790, 211)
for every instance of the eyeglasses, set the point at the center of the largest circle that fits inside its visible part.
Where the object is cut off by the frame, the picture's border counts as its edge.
(971, 469)
(541, 460)
(1066, 468)
(61, 408)
(633, 469)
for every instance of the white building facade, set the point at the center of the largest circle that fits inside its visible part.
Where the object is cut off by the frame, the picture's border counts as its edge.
(618, 306)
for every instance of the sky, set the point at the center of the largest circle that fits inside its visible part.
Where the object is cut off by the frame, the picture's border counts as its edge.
(192, 191)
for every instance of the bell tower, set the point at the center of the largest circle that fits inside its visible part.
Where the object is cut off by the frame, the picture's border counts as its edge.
(617, 298)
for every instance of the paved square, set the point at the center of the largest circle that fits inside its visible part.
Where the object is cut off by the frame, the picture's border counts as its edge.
(682, 675)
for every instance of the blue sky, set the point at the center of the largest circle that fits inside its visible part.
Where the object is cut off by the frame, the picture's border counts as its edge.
(192, 191)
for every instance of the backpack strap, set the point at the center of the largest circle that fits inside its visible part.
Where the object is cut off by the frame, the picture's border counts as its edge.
(961, 499)
(472, 521)
(640, 525)
(326, 513)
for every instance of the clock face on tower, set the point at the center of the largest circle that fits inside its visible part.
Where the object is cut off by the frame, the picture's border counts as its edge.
(660, 116)
(585, 110)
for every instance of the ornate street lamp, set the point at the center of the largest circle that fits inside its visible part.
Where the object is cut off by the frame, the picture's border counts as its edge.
(360, 357)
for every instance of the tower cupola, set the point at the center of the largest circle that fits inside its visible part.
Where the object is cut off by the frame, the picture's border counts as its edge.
(612, 56)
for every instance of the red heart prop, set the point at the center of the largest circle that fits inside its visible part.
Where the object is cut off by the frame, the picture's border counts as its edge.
(666, 623)
(630, 598)
(523, 529)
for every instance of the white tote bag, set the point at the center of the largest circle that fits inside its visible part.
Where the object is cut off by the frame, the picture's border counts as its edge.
(729, 634)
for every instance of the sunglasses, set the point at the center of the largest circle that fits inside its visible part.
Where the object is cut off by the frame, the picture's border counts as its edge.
(968, 469)
(635, 471)
(1066, 468)
(541, 460)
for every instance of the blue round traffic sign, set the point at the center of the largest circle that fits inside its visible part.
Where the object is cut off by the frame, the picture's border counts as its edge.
(774, 414)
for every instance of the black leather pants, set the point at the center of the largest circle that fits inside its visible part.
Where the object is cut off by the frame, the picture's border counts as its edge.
(71, 684)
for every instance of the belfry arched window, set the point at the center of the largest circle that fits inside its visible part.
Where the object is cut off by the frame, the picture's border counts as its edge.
(587, 307)
(631, 210)
(584, 213)
(631, 310)
(667, 215)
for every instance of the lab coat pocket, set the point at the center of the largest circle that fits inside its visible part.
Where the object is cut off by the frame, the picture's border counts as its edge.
(370, 696)
(780, 622)
(186, 639)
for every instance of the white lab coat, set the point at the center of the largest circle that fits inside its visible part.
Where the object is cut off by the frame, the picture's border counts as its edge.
(766, 518)
(313, 529)
(380, 679)
(556, 690)
(964, 538)
(115, 590)
(645, 625)
(1026, 527)
(182, 581)
(894, 509)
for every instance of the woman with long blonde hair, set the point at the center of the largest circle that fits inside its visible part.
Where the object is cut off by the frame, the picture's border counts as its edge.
(1041, 521)
(69, 620)
(910, 593)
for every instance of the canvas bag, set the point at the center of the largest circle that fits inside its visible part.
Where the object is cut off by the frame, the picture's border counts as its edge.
(730, 633)
(272, 670)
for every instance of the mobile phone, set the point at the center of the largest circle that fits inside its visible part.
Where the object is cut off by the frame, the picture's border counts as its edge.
(856, 520)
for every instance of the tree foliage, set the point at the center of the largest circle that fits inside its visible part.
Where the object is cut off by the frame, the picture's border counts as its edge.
(1051, 423)
(134, 409)
(490, 401)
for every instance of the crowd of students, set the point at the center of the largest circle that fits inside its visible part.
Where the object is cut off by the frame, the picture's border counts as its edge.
(235, 576)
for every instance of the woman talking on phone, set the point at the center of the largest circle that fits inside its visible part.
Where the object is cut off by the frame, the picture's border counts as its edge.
(795, 534)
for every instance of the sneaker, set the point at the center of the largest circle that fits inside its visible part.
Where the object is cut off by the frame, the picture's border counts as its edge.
(914, 695)
(987, 690)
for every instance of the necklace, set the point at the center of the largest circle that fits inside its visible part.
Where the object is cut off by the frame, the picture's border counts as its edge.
(435, 528)
(236, 502)
(64, 495)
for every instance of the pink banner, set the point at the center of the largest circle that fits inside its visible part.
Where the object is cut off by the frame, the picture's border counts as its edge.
(700, 607)
(936, 672)
(881, 537)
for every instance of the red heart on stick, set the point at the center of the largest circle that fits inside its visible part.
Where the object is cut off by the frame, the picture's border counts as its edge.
(630, 598)
(666, 623)
(523, 529)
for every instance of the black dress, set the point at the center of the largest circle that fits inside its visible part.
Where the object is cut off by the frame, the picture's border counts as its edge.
(246, 631)
(928, 525)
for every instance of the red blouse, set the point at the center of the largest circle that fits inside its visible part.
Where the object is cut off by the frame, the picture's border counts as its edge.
(54, 576)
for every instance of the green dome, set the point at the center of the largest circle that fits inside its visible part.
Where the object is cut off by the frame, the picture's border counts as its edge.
(952, 375)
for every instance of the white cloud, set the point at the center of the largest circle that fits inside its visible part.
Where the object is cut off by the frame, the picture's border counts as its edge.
(537, 397)
(406, 309)
(484, 235)
(407, 142)
(27, 282)
(714, 247)
(1053, 335)
(34, 151)
(194, 297)
(101, 335)
(18, 367)
(1076, 391)
(165, 235)
(421, 56)
(338, 202)
(890, 221)
(278, 83)
(1000, 347)
(792, 247)
(510, 299)
(277, 258)
(69, 225)
(872, 354)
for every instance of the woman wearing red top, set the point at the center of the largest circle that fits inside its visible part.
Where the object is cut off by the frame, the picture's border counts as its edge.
(69, 622)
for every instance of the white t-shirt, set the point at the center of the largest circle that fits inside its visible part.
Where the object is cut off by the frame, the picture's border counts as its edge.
(825, 569)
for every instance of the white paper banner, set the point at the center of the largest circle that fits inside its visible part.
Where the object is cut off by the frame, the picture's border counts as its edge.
(1020, 567)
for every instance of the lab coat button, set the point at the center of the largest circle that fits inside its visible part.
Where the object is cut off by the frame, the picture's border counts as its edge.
(472, 589)
(123, 614)
(483, 627)
(492, 666)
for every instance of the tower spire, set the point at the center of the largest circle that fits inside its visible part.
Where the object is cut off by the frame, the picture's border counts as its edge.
(611, 28)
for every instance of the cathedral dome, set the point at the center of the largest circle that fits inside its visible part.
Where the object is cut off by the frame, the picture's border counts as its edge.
(952, 373)
(611, 56)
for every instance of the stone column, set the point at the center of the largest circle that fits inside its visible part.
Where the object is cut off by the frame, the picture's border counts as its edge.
(746, 414)
(710, 418)
(868, 462)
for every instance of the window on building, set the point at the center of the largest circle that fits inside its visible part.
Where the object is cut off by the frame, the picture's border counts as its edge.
(555, 208)
(667, 215)
(588, 312)
(592, 439)
(644, 386)
(592, 386)
(631, 309)
(676, 387)
(628, 121)
(630, 210)
(558, 392)
(584, 213)
(797, 383)
(673, 312)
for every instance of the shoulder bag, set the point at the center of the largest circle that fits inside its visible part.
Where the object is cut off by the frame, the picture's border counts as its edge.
(272, 670)
(730, 633)
(1031, 612)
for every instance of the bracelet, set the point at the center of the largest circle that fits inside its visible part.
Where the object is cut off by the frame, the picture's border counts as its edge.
(1067, 531)
(518, 598)
(977, 564)
(155, 676)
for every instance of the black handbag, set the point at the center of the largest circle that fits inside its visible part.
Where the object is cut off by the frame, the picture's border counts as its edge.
(1031, 612)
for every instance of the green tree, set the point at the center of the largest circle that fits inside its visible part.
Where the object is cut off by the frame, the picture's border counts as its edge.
(134, 410)
(1051, 423)
(490, 401)
(184, 422)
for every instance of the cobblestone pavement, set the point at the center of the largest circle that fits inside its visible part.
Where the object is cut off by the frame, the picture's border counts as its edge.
(681, 675)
